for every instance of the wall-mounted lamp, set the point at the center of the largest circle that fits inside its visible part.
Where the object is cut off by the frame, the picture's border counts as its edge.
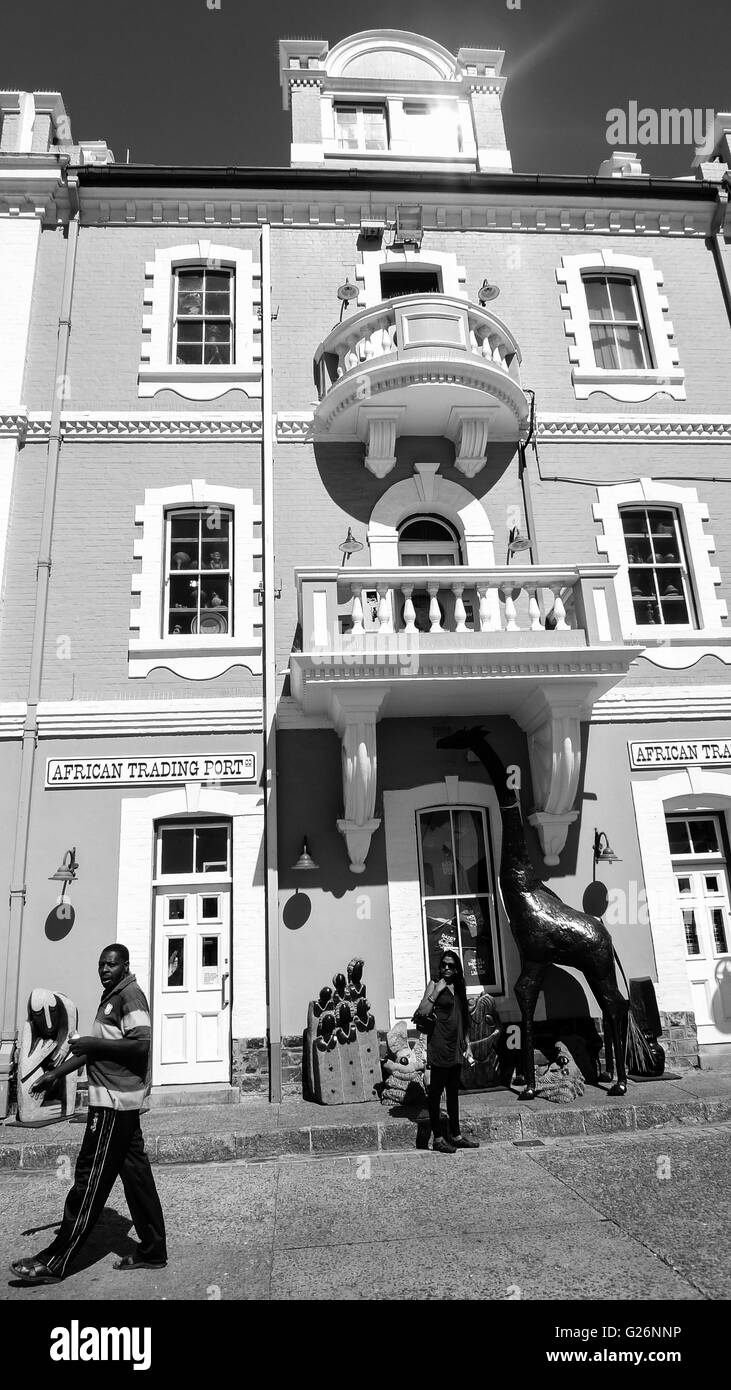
(487, 292)
(603, 850)
(66, 872)
(516, 542)
(305, 862)
(347, 292)
(349, 546)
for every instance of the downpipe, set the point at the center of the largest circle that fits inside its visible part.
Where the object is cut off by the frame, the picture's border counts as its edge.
(29, 738)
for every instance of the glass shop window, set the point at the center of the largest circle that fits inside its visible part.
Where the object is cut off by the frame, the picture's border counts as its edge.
(457, 892)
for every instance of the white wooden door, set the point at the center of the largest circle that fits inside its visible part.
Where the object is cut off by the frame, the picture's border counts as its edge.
(191, 1014)
(702, 885)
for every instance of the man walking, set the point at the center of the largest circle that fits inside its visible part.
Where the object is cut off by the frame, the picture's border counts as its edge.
(117, 1059)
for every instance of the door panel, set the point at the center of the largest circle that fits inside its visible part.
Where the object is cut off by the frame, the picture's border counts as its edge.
(703, 895)
(191, 1009)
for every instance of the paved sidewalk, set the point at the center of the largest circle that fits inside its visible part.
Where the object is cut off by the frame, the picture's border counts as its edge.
(255, 1129)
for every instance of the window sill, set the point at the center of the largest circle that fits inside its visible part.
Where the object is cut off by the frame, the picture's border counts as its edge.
(199, 383)
(629, 386)
(196, 658)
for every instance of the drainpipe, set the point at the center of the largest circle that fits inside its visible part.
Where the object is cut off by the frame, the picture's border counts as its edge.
(524, 478)
(30, 728)
(270, 677)
(720, 213)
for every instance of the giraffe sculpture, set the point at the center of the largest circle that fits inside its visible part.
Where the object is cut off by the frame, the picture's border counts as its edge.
(546, 930)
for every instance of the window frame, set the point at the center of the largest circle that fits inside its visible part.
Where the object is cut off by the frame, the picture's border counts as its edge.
(198, 656)
(630, 384)
(704, 578)
(360, 108)
(606, 278)
(497, 987)
(171, 514)
(204, 318)
(691, 625)
(200, 381)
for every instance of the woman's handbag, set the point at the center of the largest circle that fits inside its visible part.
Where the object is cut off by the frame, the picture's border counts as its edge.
(424, 1019)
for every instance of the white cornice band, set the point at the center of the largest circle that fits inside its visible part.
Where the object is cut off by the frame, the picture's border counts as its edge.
(297, 426)
(132, 718)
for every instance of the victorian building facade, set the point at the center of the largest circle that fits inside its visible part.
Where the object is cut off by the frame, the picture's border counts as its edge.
(327, 461)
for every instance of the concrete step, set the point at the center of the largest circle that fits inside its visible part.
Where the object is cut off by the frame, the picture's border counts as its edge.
(163, 1097)
(257, 1131)
(715, 1056)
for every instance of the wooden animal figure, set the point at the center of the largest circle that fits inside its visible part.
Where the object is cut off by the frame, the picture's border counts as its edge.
(546, 930)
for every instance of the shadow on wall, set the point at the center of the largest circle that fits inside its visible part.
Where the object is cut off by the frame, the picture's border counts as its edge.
(310, 800)
(356, 490)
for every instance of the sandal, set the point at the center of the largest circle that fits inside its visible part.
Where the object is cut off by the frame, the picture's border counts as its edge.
(33, 1272)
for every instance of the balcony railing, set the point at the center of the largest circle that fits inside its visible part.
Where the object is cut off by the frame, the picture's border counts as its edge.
(448, 326)
(513, 605)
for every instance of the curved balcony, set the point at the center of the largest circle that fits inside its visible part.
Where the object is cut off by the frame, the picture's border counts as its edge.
(420, 364)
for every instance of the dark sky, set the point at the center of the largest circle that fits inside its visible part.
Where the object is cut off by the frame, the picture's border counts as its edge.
(178, 83)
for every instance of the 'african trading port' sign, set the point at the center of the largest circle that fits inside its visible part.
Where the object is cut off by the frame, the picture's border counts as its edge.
(681, 753)
(154, 770)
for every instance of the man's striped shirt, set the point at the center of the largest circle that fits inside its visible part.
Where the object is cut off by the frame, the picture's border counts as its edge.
(120, 1084)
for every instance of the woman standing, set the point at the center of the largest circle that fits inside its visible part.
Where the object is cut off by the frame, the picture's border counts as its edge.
(447, 1046)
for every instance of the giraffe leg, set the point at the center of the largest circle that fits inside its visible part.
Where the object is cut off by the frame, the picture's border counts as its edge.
(615, 1009)
(527, 989)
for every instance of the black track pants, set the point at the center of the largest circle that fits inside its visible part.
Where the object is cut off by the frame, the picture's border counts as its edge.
(112, 1148)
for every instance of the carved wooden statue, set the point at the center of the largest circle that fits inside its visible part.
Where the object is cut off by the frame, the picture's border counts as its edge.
(546, 930)
(44, 1044)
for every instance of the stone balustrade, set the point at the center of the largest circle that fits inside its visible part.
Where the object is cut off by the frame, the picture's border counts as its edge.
(455, 327)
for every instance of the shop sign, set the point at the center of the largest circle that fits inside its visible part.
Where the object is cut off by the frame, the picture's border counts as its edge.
(159, 770)
(681, 753)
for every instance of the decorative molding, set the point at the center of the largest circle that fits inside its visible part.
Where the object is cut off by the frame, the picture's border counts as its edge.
(12, 719)
(294, 425)
(472, 435)
(426, 491)
(299, 207)
(199, 657)
(199, 383)
(14, 425)
(662, 704)
(134, 718)
(297, 426)
(697, 429)
(354, 714)
(553, 726)
(382, 426)
(368, 273)
(636, 384)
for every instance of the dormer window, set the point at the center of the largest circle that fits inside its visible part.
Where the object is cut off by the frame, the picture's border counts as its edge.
(360, 127)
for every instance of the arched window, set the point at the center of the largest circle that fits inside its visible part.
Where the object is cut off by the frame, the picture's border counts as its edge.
(429, 541)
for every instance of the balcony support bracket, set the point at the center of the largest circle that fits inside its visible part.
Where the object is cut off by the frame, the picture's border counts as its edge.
(354, 714)
(470, 429)
(553, 726)
(382, 428)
